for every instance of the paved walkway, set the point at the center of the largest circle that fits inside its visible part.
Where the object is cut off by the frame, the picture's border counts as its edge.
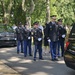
(26, 66)
(6, 70)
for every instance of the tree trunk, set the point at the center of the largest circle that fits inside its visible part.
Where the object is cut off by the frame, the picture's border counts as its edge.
(32, 6)
(28, 21)
(3, 6)
(6, 13)
(9, 10)
(48, 11)
(23, 6)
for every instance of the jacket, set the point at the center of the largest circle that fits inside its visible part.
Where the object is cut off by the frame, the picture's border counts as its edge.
(52, 32)
(19, 33)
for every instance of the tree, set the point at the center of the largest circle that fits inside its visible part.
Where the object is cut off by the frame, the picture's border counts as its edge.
(65, 10)
(47, 11)
(14, 11)
(6, 8)
(39, 13)
(28, 10)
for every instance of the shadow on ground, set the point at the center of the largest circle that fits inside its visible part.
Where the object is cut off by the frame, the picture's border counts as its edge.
(26, 65)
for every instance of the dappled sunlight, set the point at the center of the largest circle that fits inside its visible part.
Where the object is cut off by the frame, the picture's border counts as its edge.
(26, 65)
(61, 62)
(47, 67)
(7, 49)
(25, 61)
(3, 51)
(21, 68)
(41, 73)
(13, 59)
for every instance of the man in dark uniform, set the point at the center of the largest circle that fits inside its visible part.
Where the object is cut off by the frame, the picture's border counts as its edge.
(19, 35)
(27, 40)
(62, 35)
(52, 36)
(37, 36)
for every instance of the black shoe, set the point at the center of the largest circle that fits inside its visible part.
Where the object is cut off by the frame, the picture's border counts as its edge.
(52, 59)
(22, 52)
(17, 52)
(56, 59)
(59, 56)
(62, 56)
(34, 59)
(25, 56)
(49, 52)
(41, 58)
(30, 55)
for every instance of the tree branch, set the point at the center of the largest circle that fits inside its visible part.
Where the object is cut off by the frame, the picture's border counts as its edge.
(10, 6)
(3, 6)
(23, 5)
(32, 7)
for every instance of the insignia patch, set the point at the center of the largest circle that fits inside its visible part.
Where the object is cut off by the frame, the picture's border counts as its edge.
(50, 26)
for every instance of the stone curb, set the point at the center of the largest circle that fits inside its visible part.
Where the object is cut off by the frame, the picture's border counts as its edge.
(6, 70)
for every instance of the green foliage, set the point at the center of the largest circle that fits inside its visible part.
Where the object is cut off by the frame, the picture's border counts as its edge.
(39, 13)
(53, 8)
(62, 8)
(65, 10)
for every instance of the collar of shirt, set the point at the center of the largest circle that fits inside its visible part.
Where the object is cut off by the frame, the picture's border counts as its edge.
(53, 22)
(61, 26)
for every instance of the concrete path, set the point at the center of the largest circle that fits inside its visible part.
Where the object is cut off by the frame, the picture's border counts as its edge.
(6, 70)
(26, 65)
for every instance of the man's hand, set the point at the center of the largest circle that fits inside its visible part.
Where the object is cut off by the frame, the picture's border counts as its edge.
(29, 38)
(63, 36)
(39, 39)
(49, 40)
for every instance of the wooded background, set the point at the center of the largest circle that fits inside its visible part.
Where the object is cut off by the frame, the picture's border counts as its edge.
(14, 11)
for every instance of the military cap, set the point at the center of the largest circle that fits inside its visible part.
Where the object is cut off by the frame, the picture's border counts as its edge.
(20, 23)
(26, 24)
(53, 16)
(59, 20)
(35, 23)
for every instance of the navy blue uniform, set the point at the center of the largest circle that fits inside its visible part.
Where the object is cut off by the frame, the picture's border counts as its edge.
(37, 36)
(62, 34)
(52, 34)
(19, 35)
(27, 41)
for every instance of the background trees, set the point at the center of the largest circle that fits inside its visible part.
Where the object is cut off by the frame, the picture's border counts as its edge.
(28, 11)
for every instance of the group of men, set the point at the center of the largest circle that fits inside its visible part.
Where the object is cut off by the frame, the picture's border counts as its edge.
(24, 38)
(55, 34)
